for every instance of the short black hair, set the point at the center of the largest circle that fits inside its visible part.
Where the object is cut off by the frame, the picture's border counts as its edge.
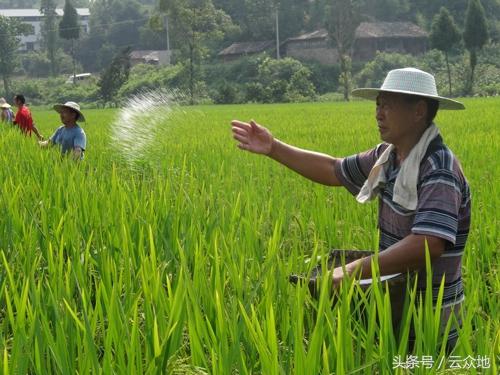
(21, 98)
(432, 105)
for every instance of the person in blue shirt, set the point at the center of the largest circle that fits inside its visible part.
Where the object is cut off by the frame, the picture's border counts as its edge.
(70, 136)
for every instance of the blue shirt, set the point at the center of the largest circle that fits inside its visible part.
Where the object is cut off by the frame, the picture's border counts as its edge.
(69, 138)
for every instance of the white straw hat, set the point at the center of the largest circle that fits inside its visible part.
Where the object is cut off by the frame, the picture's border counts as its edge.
(409, 81)
(4, 104)
(71, 105)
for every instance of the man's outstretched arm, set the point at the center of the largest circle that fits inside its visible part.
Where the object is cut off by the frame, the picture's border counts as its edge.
(315, 166)
(37, 133)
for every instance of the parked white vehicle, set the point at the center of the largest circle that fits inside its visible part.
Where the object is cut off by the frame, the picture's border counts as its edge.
(78, 78)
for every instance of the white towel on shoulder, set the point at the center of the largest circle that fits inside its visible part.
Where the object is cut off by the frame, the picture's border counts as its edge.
(405, 187)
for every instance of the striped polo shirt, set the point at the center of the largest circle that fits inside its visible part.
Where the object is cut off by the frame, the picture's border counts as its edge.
(443, 210)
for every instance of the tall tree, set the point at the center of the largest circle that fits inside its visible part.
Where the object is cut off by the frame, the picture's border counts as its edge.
(115, 75)
(69, 28)
(342, 20)
(475, 36)
(196, 23)
(444, 36)
(10, 30)
(49, 32)
(457, 8)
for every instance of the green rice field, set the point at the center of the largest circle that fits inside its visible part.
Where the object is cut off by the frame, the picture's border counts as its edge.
(178, 263)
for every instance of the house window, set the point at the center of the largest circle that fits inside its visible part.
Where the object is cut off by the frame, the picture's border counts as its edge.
(30, 46)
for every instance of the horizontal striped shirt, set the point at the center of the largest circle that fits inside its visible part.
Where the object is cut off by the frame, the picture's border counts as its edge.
(443, 211)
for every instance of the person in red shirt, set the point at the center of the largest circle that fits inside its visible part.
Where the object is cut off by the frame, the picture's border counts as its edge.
(23, 117)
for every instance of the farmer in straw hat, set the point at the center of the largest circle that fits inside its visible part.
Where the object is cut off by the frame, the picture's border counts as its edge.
(423, 195)
(7, 116)
(69, 136)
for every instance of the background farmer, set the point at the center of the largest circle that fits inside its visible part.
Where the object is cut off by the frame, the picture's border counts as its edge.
(23, 117)
(69, 136)
(6, 116)
(423, 195)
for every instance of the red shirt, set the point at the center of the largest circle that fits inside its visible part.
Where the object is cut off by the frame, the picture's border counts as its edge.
(24, 120)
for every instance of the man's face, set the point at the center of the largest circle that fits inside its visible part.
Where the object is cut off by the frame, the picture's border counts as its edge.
(395, 117)
(68, 116)
(17, 102)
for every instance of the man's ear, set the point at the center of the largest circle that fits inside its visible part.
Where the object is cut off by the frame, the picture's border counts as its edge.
(421, 111)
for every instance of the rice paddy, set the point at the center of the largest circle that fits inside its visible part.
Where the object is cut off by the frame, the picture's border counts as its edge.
(180, 263)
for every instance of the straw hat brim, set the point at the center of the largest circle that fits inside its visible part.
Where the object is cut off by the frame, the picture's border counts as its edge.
(5, 106)
(59, 107)
(372, 93)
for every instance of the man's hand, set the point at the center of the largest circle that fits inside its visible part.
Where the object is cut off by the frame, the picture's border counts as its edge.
(252, 137)
(77, 153)
(339, 274)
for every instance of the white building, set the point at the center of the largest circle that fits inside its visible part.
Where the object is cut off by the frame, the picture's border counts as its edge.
(35, 18)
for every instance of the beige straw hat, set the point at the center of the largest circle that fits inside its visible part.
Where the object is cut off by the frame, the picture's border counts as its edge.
(71, 105)
(4, 104)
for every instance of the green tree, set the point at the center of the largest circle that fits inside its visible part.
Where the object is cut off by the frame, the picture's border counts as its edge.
(444, 36)
(195, 23)
(258, 23)
(300, 87)
(113, 24)
(342, 20)
(49, 32)
(316, 14)
(457, 8)
(292, 17)
(386, 10)
(475, 36)
(19, 4)
(115, 75)
(236, 9)
(127, 18)
(257, 18)
(10, 30)
(69, 29)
